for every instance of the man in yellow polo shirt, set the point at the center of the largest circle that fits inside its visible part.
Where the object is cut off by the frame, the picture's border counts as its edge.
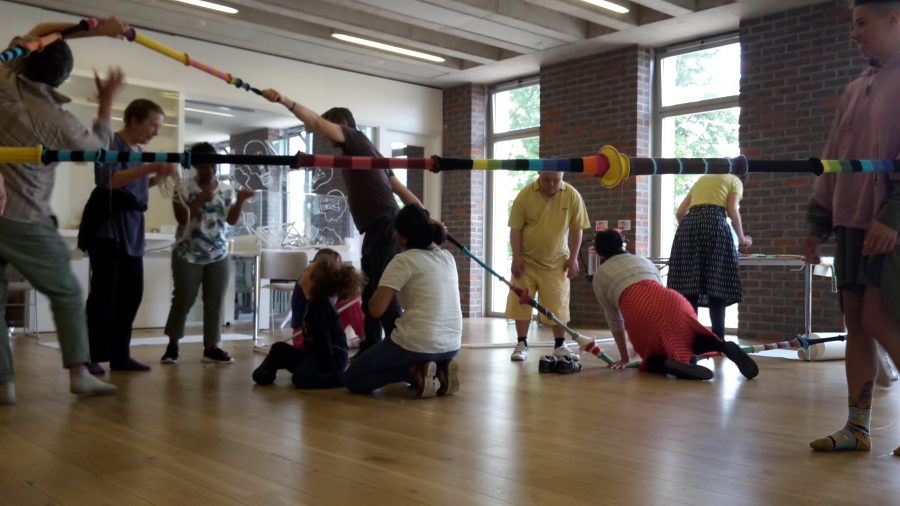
(545, 227)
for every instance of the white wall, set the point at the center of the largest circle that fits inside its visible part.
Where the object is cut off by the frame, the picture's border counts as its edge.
(374, 101)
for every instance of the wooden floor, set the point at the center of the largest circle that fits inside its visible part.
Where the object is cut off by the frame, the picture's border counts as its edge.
(195, 434)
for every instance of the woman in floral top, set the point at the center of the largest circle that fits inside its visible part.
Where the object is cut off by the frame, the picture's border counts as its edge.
(200, 257)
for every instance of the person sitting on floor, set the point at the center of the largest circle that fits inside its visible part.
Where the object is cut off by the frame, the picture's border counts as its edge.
(349, 310)
(323, 358)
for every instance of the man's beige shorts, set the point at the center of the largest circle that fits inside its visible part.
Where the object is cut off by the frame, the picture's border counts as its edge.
(550, 287)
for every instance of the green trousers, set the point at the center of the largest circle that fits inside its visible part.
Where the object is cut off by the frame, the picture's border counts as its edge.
(188, 278)
(38, 252)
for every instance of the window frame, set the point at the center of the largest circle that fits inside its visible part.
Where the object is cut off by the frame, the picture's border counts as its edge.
(492, 138)
(660, 114)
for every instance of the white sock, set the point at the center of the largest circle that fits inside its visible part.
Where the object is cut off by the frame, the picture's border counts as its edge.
(8, 393)
(83, 383)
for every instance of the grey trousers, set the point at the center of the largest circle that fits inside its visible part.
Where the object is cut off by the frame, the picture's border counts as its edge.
(188, 278)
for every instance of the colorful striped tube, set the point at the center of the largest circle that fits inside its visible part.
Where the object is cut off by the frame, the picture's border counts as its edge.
(24, 47)
(363, 162)
(793, 343)
(598, 165)
(843, 166)
(13, 53)
(798, 342)
(29, 154)
(179, 56)
(159, 47)
(653, 166)
(595, 164)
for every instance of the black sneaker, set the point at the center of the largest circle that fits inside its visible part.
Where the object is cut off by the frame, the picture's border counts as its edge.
(216, 355)
(171, 355)
(547, 363)
(566, 365)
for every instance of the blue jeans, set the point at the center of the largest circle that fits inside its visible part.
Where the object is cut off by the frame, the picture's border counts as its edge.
(385, 363)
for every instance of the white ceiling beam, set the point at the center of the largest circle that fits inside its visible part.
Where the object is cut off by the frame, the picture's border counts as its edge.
(380, 8)
(522, 15)
(285, 27)
(588, 13)
(670, 7)
(380, 28)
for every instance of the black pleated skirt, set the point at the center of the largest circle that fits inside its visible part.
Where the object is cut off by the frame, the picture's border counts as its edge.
(704, 261)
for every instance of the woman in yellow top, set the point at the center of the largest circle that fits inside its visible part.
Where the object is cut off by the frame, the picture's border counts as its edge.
(703, 265)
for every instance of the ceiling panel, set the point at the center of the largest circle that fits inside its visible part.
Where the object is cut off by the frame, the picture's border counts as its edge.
(483, 41)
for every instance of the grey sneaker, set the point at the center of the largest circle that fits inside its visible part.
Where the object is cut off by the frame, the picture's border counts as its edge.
(520, 353)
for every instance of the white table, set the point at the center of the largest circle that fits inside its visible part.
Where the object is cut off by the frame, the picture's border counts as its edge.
(798, 264)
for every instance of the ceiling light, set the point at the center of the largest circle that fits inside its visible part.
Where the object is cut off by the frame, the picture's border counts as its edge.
(209, 5)
(212, 113)
(387, 47)
(608, 5)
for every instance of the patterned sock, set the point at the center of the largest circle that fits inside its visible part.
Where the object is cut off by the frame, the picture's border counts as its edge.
(558, 341)
(854, 435)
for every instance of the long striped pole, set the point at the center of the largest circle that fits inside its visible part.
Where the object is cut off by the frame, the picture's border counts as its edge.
(798, 342)
(184, 58)
(610, 173)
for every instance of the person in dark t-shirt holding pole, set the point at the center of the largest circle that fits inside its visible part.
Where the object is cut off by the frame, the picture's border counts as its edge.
(370, 196)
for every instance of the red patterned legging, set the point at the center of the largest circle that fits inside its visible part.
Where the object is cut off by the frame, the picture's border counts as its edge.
(661, 322)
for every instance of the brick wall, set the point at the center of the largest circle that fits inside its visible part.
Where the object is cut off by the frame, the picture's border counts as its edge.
(795, 66)
(586, 103)
(463, 192)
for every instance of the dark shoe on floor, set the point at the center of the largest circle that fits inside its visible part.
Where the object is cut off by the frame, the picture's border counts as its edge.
(686, 371)
(129, 365)
(171, 355)
(547, 363)
(424, 379)
(742, 360)
(96, 369)
(448, 377)
(216, 355)
(567, 365)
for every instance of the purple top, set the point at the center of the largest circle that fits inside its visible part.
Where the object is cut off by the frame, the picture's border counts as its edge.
(126, 227)
(867, 126)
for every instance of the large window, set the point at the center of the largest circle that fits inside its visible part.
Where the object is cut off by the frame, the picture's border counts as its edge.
(514, 132)
(697, 115)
